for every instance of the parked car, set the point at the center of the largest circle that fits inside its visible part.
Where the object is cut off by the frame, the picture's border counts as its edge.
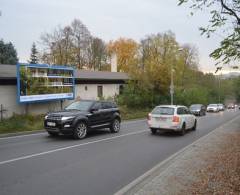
(198, 109)
(82, 116)
(212, 108)
(231, 106)
(171, 118)
(221, 107)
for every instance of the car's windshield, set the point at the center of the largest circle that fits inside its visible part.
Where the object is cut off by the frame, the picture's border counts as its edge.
(163, 110)
(80, 105)
(195, 106)
(213, 105)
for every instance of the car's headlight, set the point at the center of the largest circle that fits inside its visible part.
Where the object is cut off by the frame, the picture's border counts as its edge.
(46, 117)
(64, 118)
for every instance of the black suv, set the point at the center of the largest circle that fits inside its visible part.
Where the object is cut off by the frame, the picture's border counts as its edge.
(82, 116)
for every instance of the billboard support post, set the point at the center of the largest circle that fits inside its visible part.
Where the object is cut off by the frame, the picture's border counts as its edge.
(61, 103)
(26, 108)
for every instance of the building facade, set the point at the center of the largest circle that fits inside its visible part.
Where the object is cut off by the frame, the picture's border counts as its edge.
(88, 85)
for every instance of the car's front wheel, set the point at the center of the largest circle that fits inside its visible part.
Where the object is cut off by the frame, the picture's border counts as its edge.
(154, 131)
(115, 126)
(194, 126)
(80, 131)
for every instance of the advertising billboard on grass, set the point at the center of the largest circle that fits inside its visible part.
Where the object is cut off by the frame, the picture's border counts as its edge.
(42, 82)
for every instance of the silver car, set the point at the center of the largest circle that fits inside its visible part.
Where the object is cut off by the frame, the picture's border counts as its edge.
(212, 108)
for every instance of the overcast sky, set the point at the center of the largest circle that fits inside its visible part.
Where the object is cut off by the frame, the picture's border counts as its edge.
(23, 21)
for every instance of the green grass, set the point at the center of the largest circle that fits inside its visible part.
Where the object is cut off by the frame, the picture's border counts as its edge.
(130, 113)
(20, 123)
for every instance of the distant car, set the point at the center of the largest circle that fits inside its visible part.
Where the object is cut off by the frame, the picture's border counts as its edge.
(82, 116)
(212, 108)
(171, 118)
(231, 106)
(198, 109)
(221, 107)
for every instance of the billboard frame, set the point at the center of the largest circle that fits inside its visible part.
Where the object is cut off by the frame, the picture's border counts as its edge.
(57, 67)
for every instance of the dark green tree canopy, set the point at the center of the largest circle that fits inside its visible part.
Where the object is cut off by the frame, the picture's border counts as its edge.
(8, 54)
(34, 55)
(225, 17)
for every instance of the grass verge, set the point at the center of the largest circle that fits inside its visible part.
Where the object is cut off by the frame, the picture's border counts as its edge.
(130, 113)
(19, 123)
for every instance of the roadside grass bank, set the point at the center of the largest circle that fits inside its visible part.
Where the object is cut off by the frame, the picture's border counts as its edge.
(20, 123)
(133, 113)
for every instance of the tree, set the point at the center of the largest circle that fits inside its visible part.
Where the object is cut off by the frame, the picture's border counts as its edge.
(236, 88)
(126, 51)
(98, 54)
(8, 54)
(81, 44)
(58, 46)
(34, 55)
(225, 16)
(73, 45)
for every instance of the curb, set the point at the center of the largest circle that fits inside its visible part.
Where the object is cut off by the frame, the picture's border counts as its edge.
(152, 172)
(41, 131)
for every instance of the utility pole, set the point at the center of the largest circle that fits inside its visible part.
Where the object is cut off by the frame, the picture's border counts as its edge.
(219, 98)
(219, 87)
(172, 87)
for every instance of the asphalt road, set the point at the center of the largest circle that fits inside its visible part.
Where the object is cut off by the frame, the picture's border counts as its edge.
(101, 164)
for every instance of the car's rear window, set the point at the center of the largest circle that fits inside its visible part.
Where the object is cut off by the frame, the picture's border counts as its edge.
(195, 106)
(213, 105)
(163, 110)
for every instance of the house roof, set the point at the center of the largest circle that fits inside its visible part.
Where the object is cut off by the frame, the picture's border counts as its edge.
(9, 72)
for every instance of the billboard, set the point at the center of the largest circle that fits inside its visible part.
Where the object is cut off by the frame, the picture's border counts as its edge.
(42, 82)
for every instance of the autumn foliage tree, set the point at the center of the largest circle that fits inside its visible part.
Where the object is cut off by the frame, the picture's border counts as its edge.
(126, 51)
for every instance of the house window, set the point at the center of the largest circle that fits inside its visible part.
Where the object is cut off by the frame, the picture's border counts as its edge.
(121, 88)
(100, 91)
(85, 88)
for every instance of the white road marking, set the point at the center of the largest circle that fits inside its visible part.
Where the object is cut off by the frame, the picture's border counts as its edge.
(68, 147)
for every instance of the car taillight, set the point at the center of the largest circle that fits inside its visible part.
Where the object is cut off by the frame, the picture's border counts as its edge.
(149, 117)
(175, 119)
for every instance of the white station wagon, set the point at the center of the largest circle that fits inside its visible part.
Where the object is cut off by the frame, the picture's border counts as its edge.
(171, 118)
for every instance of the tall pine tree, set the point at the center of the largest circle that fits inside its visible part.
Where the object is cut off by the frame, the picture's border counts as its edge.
(34, 53)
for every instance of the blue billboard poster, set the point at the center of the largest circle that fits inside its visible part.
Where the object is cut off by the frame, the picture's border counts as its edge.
(42, 82)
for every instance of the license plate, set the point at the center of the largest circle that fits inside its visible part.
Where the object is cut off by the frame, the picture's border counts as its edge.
(160, 118)
(51, 124)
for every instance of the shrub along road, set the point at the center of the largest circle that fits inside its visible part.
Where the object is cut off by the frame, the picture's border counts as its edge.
(101, 164)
